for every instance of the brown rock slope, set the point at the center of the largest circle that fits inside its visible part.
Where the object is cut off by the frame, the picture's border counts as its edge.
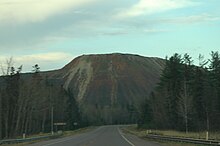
(101, 82)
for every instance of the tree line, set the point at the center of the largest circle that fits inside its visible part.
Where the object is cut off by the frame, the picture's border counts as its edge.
(28, 101)
(187, 97)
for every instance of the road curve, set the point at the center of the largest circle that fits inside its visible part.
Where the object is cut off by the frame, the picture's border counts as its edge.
(102, 136)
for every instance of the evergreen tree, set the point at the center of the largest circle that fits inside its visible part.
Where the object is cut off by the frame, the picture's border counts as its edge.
(172, 78)
(36, 68)
(185, 98)
(215, 83)
(201, 94)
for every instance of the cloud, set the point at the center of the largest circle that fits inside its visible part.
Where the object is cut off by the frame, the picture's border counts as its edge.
(193, 19)
(156, 30)
(54, 56)
(22, 11)
(64, 21)
(164, 24)
(47, 61)
(147, 7)
(114, 33)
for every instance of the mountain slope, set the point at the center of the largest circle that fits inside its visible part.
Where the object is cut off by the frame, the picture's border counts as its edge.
(114, 77)
(104, 82)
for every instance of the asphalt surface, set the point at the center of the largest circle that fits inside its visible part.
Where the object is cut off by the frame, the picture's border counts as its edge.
(102, 136)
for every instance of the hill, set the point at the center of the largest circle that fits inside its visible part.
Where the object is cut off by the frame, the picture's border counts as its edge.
(110, 82)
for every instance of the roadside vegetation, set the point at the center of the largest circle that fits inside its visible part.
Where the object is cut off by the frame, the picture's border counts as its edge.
(187, 98)
(64, 134)
(177, 144)
(78, 131)
(29, 107)
(140, 132)
(196, 135)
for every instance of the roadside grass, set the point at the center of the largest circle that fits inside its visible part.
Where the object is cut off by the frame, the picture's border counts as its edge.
(34, 135)
(78, 131)
(196, 135)
(19, 144)
(143, 132)
(28, 136)
(65, 134)
(176, 144)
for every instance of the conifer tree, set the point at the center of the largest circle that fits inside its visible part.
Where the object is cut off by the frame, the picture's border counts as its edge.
(215, 83)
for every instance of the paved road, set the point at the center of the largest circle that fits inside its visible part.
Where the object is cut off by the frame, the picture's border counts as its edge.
(102, 136)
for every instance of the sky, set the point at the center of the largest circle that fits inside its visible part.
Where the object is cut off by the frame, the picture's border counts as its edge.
(51, 33)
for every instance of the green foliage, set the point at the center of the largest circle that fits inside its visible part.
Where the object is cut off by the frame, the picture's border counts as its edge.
(215, 84)
(187, 97)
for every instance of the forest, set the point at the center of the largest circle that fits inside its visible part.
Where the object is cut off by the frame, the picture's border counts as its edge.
(187, 97)
(30, 103)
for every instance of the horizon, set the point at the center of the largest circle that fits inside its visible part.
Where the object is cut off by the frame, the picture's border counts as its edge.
(52, 35)
(115, 53)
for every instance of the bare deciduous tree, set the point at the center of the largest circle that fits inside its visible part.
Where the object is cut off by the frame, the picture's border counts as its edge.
(9, 63)
(6, 67)
(19, 69)
(185, 106)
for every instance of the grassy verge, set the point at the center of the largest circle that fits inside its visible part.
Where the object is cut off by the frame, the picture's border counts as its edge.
(65, 134)
(142, 133)
(197, 135)
(176, 144)
(78, 131)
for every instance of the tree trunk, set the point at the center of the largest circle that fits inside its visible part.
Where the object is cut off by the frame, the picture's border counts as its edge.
(43, 122)
(26, 123)
(207, 120)
(6, 125)
(186, 106)
(30, 129)
(18, 120)
(24, 115)
(13, 123)
(186, 124)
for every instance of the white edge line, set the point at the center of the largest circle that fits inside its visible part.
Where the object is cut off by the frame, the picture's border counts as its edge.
(125, 138)
(57, 142)
(49, 144)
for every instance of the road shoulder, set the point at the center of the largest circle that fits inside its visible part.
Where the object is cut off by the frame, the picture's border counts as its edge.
(136, 139)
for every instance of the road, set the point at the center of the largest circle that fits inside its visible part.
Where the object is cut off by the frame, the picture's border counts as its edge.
(102, 136)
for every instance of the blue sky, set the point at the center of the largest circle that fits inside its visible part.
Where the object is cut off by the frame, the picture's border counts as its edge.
(53, 32)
